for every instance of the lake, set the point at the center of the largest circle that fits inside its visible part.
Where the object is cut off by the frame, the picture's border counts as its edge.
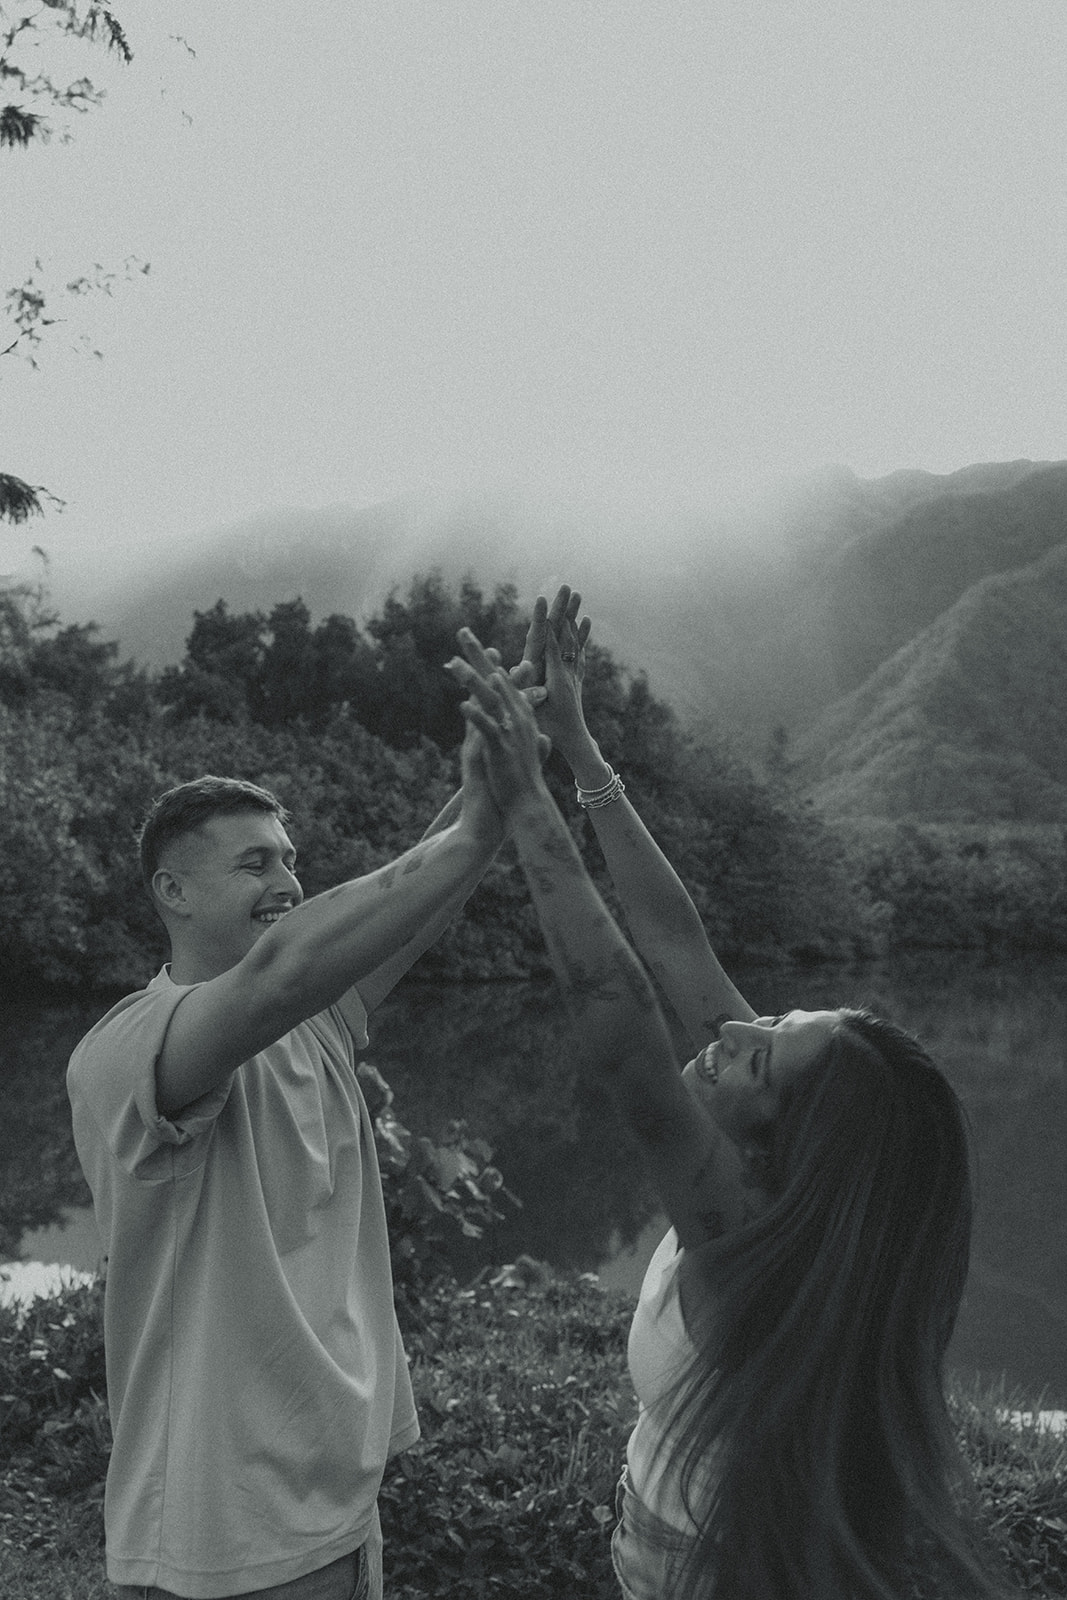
(499, 1056)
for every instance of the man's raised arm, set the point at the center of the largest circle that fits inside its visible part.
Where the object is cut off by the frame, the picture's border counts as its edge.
(321, 949)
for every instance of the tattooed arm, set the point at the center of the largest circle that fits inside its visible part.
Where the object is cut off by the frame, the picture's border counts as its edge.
(372, 989)
(659, 912)
(620, 1035)
(321, 949)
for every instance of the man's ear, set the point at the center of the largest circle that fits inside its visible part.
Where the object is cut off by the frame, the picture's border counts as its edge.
(168, 893)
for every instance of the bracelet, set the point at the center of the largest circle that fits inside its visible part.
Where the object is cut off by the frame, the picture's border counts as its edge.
(593, 799)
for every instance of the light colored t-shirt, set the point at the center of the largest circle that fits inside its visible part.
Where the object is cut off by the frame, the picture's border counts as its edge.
(658, 1352)
(256, 1379)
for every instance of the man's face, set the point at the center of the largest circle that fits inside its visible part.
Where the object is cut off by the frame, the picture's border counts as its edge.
(237, 880)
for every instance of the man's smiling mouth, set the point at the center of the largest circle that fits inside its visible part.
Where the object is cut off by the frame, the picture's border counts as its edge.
(271, 916)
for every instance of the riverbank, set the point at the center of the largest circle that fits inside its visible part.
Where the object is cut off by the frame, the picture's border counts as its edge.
(525, 1404)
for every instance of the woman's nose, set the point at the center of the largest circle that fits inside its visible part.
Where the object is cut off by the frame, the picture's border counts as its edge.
(735, 1035)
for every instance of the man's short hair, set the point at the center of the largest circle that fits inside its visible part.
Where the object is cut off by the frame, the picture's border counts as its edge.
(188, 806)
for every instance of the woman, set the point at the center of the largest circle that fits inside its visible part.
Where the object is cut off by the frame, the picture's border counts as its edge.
(787, 1350)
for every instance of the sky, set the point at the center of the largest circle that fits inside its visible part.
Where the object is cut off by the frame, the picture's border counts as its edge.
(652, 251)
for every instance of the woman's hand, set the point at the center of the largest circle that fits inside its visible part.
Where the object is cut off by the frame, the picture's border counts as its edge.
(554, 654)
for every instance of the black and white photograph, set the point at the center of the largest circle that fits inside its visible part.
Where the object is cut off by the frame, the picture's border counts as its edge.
(533, 800)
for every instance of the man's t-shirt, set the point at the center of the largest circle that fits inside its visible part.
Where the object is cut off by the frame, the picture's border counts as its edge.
(256, 1379)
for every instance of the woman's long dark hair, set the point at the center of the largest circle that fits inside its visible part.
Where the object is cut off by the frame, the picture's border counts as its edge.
(821, 1329)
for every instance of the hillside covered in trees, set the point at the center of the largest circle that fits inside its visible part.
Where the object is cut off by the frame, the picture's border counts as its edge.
(965, 722)
(357, 731)
(782, 626)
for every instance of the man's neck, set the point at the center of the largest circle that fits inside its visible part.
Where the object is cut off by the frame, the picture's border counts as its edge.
(193, 966)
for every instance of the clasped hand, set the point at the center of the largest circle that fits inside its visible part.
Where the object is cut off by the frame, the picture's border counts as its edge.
(554, 655)
(502, 734)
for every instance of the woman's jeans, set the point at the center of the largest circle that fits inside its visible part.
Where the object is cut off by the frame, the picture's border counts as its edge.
(354, 1577)
(647, 1553)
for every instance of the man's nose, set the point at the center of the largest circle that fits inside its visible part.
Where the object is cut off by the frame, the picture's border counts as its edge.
(287, 882)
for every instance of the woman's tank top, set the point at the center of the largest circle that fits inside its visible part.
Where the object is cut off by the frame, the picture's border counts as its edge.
(659, 1349)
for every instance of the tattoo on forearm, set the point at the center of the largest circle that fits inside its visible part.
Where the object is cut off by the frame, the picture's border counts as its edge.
(543, 880)
(583, 986)
(560, 848)
(413, 864)
(635, 981)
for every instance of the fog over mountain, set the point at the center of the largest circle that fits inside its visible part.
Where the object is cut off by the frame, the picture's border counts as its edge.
(847, 611)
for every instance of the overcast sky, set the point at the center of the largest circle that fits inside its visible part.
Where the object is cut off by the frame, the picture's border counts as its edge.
(629, 248)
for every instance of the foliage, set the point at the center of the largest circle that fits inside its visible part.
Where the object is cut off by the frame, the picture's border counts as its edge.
(525, 1407)
(961, 725)
(525, 1414)
(95, 23)
(278, 669)
(435, 1189)
(86, 742)
(996, 888)
(18, 500)
(41, 98)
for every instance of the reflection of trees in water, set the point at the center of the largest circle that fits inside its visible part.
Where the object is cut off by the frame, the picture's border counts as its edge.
(999, 1031)
(501, 1055)
(39, 1171)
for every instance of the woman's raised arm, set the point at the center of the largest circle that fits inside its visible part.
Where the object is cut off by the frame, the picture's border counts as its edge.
(659, 912)
(620, 1034)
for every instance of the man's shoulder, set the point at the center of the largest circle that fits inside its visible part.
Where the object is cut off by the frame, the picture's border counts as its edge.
(332, 1029)
(128, 1016)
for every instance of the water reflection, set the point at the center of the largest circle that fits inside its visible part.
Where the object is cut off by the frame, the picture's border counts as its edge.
(501, 1056)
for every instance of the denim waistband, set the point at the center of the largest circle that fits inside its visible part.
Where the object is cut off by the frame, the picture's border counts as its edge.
(647, 1553)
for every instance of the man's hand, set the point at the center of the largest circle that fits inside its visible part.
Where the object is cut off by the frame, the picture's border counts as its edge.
(479, 812)
(503, 741)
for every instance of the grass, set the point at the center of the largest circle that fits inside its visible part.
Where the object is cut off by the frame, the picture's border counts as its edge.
(525, 1407)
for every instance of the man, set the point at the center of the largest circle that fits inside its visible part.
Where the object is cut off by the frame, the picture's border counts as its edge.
(256, 1379)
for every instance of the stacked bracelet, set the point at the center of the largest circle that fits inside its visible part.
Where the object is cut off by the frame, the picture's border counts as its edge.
(592, 799)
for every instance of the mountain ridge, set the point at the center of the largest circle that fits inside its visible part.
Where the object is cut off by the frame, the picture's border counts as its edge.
(770, 617)
(960, 723)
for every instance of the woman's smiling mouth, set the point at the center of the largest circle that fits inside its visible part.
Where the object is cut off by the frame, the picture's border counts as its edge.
(706, 1066)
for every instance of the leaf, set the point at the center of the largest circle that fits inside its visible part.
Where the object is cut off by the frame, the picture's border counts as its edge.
(430, 1193)
(18, 500)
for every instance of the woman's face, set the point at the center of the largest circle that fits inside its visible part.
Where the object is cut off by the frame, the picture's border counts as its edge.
(739, 1078)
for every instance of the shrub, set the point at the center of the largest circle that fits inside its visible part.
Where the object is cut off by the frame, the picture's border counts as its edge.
(525, 1405)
